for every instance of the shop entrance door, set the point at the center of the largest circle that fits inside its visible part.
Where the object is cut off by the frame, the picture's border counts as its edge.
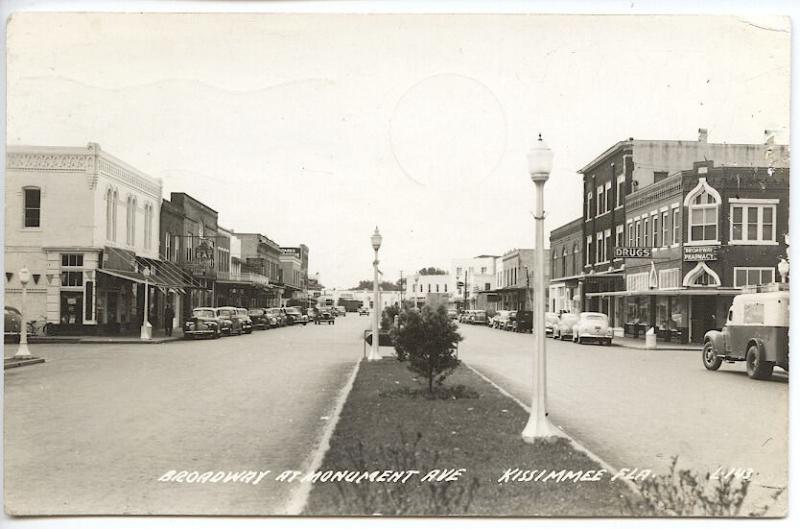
(71, 314)
(703, 316)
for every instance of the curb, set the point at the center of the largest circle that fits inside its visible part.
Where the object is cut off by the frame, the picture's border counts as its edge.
(299, 498)
(10, 363)
(577, 445)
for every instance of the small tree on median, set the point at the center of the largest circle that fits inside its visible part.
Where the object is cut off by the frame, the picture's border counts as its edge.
(428, 339)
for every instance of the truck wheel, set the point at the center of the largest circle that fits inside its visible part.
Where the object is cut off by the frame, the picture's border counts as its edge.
(757, 367)
(710, 359)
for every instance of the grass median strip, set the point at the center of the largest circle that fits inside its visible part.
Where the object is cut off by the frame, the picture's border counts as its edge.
(397, 452)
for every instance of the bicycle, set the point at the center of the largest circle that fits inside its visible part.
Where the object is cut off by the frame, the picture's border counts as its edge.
(40, 327)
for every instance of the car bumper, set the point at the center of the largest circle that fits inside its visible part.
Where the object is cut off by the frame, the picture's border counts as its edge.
(596, 336)
(195, 333)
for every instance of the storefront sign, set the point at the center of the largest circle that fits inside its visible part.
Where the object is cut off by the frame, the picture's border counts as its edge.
(643, 253)
(700, 253)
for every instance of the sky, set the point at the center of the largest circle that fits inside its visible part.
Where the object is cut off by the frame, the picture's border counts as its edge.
(316, 129)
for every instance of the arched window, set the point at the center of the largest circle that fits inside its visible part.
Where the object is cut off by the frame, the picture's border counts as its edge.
(115, 200)
(701, 276)
(575, 259)
(109, 215)
(564, 262)
(703, 204)
(148, 225)
(130, 238)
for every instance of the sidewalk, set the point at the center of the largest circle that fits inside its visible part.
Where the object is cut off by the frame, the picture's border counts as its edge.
(158, 338)
(634, 343)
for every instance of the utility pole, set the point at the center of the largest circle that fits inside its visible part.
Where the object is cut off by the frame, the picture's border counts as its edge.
(401, 289)
(466, 286)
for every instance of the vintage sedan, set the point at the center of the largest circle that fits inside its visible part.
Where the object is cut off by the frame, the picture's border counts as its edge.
(259, 318)
(756, 332)
(244, 317)
(325, 316)
(592, 326)
(278, 316)
(563, 328)
(230, 319)
(550, 323)
(206, 322)
(295, 316)
(500, 319)
(13, 325)
(363, 311)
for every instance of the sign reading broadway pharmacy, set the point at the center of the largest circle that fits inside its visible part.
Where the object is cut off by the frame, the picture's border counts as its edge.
(700, 253)
(643, 253)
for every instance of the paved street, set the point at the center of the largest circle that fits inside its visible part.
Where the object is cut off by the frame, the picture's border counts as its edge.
(637, 408)
(92, 430)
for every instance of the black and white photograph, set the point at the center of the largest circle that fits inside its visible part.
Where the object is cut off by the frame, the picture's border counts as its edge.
(408, 265)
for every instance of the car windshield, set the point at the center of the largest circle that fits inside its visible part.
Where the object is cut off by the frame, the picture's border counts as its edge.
(225, 313)
(255, 312)
(203, 313)
(293, 310)
(595, 317)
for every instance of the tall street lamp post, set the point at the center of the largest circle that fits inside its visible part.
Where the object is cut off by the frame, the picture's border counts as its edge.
(147, 329)
(376, 240)
(22, 351)
(540, 163)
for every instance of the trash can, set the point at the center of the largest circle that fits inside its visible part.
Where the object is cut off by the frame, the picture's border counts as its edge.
(650, 338)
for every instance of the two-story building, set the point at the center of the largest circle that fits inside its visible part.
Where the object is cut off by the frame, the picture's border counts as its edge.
(424, 289)
(473, 280)
(516, 288)
(261, 256)
(294, 270)
(566, 270)
(701, 235)
(632, 165)
(86, 225)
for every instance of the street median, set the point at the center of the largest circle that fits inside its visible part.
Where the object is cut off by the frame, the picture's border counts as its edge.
(399, 450)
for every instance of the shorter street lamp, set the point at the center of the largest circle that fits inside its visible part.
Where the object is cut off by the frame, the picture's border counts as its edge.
(22, 351)
(147, 329)
(540, 163)
(783, 269)
(376, 239)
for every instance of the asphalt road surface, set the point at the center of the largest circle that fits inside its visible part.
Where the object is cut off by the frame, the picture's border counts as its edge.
(638, 408)
(93, 429)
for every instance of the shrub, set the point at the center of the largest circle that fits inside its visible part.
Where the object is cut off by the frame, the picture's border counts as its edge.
(397, 499)
(428, 339)
(387, 317)
(682, 492)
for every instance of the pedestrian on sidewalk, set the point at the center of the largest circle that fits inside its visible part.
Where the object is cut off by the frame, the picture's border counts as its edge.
(169, 315)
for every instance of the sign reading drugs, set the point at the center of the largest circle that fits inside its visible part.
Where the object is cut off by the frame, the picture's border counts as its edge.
(637, 252)
(700, 253)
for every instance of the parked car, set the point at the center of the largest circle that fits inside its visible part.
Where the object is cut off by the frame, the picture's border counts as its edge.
(508, 325)
(501, 318)
(566, 322)
(229, 315)
(341, 310)
(13, 325)
(592, 326)
(478, 317)
(452, 314)
(259, 318)
(205, 322)
(363, 311)
(756, 332)
(325, 316)
(244, 317)
(278, 316)
(295, 316)
(550, 323)
(522, 321)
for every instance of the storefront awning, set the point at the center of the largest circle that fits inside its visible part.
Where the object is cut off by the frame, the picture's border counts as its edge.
(138, 277)
(668, 292)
